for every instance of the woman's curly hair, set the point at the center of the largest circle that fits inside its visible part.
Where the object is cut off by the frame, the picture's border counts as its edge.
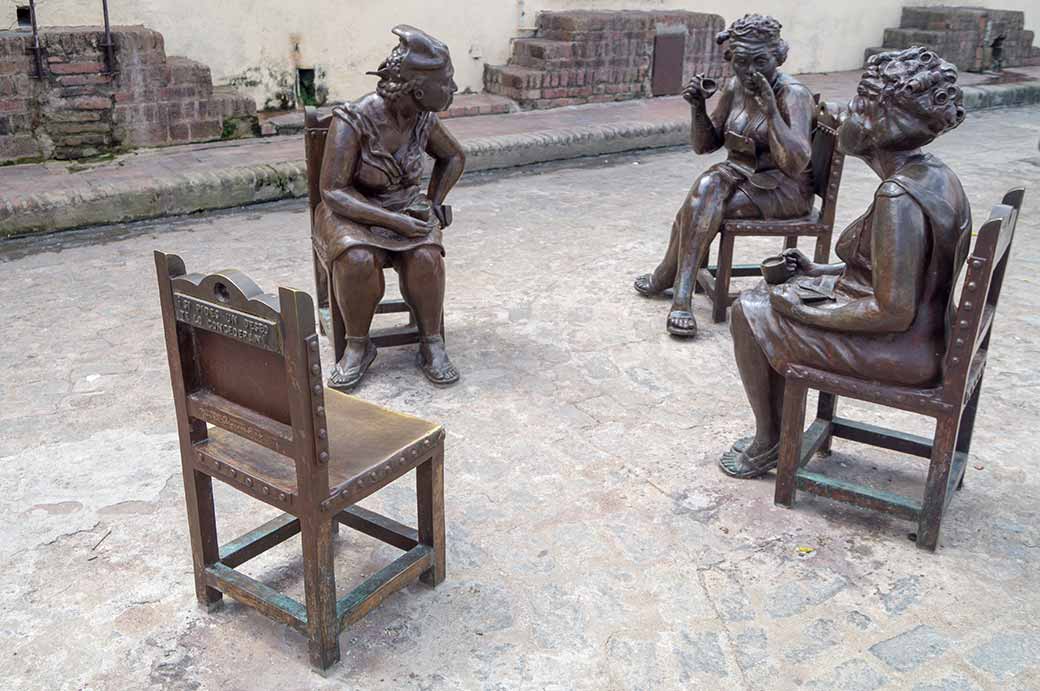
(392, 84)
(758, 28)
(918, 79)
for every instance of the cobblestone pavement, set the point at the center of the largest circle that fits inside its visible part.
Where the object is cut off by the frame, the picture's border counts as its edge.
(592, 543)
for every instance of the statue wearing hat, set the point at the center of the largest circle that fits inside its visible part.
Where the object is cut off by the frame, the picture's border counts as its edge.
(374, 212)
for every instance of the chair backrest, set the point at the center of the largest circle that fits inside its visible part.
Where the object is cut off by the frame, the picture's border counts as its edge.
(315, 131)
(245, 361)
(972, 323)
(827, 161)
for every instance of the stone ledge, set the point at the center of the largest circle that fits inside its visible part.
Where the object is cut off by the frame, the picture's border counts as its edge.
(201, 190)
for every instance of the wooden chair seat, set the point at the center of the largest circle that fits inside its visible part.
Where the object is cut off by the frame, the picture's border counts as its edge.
(809, 224)
(953, 403)
(368, 446)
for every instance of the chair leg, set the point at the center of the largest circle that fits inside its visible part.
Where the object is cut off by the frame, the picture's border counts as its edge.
(429, 478)
(826, 407)
(339, 329)
(697, 287)
(722, 276)
(967, 428)
(938, 483)
(823, 249)
(319, 585)
(321, 286)
(202, 527)
(790, 242)
(792, 430)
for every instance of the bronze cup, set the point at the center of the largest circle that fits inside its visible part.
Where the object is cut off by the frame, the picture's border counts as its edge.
(775, 270)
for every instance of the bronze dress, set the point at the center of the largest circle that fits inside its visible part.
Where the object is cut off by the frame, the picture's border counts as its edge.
(911, 357)
(750, 166)
(387, 180)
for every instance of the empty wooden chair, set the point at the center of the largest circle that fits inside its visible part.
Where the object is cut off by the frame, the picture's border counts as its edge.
(827, 163)
(252, 411)
(953, 403)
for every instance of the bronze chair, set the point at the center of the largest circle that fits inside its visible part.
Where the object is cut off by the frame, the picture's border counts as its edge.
(953, 403)
(827, 163)
(253, 412)
(316, 130)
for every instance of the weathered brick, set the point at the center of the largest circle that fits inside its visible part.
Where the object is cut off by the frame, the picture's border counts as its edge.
(13, 105)
(77, 68)
(5, 125)
(84, 79)
(91, 103)
(180, 132)
(74, 116)
(18, 146)
(63, 128)
(208, 129)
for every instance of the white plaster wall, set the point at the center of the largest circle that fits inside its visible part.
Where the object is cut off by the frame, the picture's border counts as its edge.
(265, 40)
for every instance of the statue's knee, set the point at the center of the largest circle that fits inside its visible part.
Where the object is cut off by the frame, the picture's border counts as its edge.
(738, 325)
(707, 184)
(427, 258)
(357, 261)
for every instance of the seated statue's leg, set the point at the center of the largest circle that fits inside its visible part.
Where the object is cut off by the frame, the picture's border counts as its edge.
(358, 278)
(422, 284)
(764, 388)
(698, 225)
(663, 276)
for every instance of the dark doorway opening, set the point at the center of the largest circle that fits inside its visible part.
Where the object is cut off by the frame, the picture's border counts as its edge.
(669, 50)
(305, 86)
(24, 15)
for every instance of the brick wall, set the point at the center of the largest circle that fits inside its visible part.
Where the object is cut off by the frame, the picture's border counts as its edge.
(79, 110)
(588, 57)
(962, 35)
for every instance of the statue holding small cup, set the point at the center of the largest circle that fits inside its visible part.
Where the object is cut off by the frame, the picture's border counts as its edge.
(764, 119)
(880, 314)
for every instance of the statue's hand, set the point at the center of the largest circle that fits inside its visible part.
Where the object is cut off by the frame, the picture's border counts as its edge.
(700, 89)
(417, 227)
(763, 93)
(797, 263)
(784, 300)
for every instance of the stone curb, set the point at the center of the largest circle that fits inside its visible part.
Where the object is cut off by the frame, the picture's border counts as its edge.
(210, 190)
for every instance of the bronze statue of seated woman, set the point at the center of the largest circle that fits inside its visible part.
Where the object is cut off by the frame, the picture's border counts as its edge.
(374, 214)
(764, 119)
(881, 315)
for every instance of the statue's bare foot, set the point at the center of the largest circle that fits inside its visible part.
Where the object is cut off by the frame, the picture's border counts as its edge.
(435, 363)
(357, 358)
(755, 459)
(645, 285)
(681, 322)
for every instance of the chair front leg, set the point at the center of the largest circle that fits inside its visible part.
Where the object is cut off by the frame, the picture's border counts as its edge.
(938, 484)
(319, 585)
(430, 504)
(792, 430)
(826, 407)
(722, 276)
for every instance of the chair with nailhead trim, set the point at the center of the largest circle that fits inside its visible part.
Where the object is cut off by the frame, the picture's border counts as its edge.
(252, 411)
(953, 403)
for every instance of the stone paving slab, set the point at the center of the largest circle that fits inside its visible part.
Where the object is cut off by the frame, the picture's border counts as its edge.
(184, 179)
(591, 541)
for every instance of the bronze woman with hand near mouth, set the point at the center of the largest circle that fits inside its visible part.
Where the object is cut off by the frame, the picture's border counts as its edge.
(764, 118)
(374, 213)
